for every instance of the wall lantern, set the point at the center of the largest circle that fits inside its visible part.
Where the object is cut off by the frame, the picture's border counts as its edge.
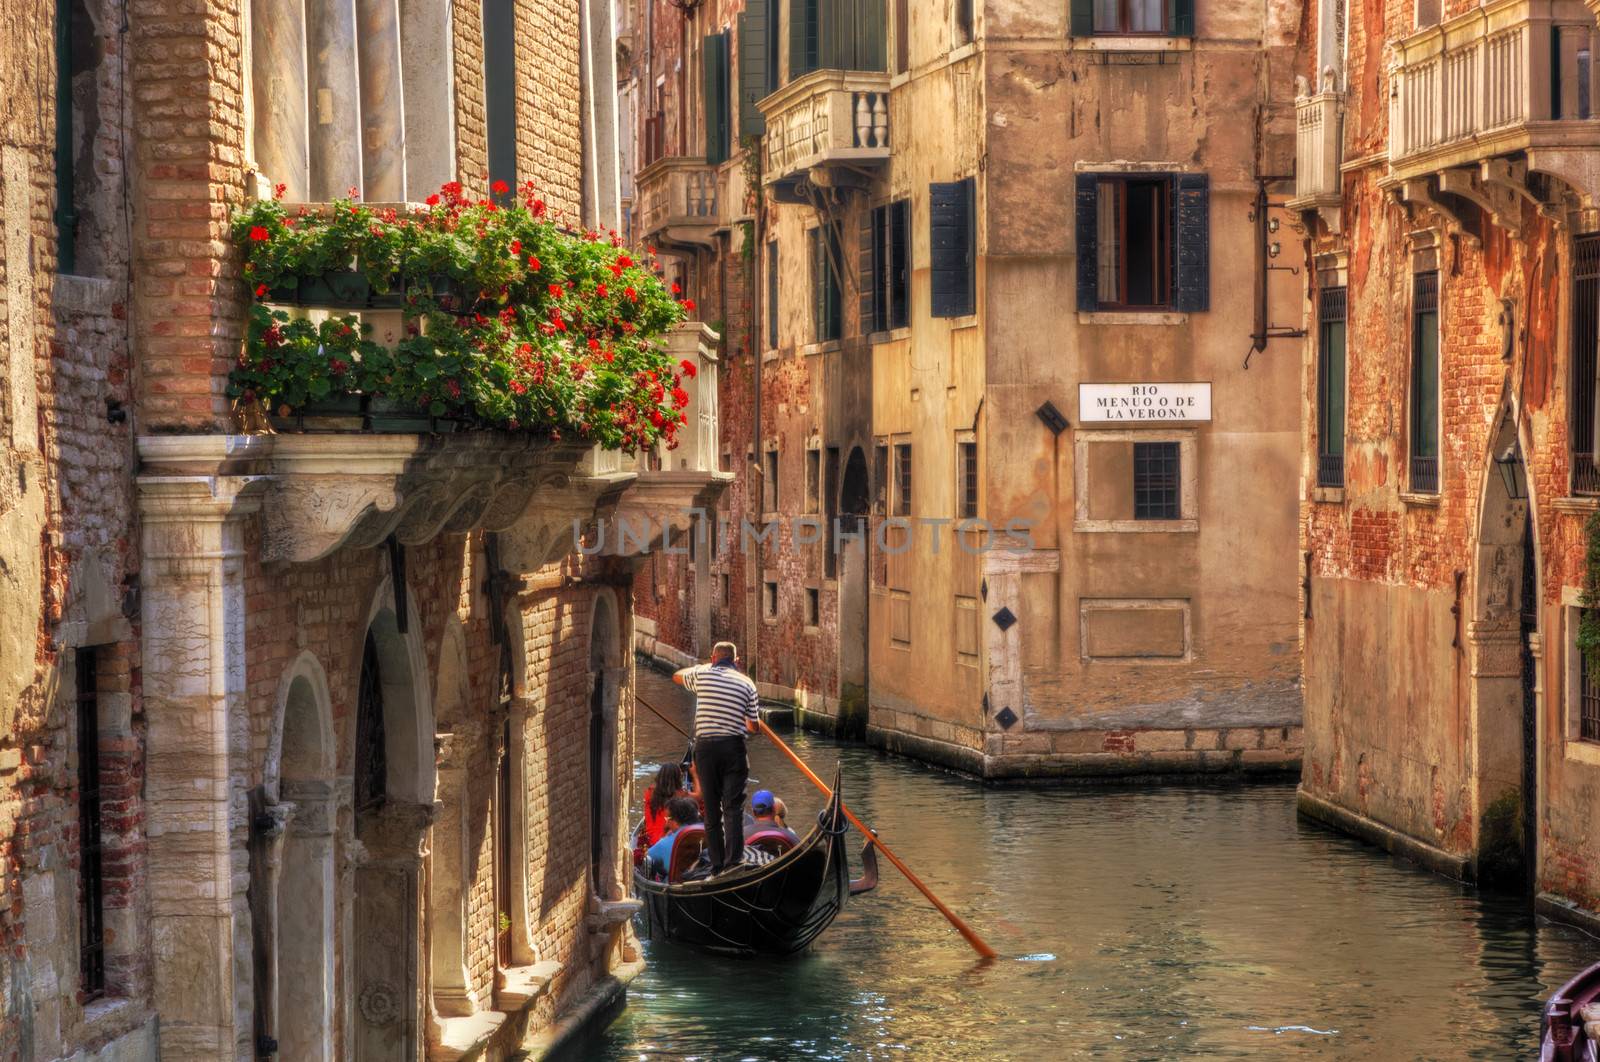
(1513, 473)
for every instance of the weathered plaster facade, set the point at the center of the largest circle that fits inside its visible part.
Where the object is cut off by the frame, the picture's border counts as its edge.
(247, 607)
(1442, 681)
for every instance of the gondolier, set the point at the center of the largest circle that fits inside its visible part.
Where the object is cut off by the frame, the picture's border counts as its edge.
(726, 709)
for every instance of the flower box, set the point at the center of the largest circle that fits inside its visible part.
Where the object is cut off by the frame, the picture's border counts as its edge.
(390, 417)
(338, 413)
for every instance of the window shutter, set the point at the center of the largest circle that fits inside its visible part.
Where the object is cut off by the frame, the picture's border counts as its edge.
(1182, 15)
(1088, 249)
(772, 294)
(898, 277)
(1191, 244)
(1082, 18)
(871, 27)
(819, 286)
(802, 36)
(714, 63)
(950, 244)
(869, 270)
(752, 67)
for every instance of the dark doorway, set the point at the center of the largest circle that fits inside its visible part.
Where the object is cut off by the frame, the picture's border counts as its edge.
(855, 498)
(1529, 626)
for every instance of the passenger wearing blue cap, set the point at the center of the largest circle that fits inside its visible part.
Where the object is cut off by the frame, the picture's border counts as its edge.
(764, 816)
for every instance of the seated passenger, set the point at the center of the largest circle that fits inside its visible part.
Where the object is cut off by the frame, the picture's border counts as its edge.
(681, 811)
(764, 816)
(669, 783)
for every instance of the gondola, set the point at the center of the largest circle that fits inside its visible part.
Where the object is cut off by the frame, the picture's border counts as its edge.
(775, 909)
(1570, 1023)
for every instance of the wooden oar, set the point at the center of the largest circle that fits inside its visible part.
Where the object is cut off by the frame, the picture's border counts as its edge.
(954, 919)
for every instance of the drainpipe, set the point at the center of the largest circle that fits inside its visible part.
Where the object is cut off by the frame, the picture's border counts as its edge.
(758, 309)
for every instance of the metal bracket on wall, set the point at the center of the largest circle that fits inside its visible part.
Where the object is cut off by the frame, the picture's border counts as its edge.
(1455, 611)
(1305, 583)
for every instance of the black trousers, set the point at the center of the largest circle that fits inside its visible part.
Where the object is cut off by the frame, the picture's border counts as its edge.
(723, 769)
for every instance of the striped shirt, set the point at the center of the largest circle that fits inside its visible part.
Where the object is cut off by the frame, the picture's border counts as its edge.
(724, 697)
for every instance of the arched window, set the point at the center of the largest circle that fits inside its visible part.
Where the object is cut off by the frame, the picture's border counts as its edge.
(371, 761)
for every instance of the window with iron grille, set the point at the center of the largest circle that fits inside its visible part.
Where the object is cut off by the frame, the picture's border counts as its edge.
(1425, 384)
(902, 479)
(880, 480)
(1157, 490)
(891, 277)
(1330, 387)
(1582, 408)
(772, 294)
(1588, 699)
(91, 880)
(966, 480)
(372, 765)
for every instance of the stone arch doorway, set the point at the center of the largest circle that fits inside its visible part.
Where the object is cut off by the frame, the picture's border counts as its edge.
(306, 920)
(1506, 658)
(605, 688)
(392, 784)
(854, 506)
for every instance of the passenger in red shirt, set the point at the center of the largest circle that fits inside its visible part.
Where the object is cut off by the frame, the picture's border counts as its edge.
(669, 783)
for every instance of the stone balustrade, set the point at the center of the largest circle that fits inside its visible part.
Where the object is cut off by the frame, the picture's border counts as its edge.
(826, 118)
(1319, 121)
(680, 202)
(1510, 76)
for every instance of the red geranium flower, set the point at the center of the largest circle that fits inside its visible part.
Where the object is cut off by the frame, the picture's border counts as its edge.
(630, 294)
(433, 200)
(600, 290)
(556, 291)
(500, 188)
(261, 291)
(516, 246)
(624, 261)
(688, 304)
(533, 263)
(688, 368)
(680, 397)
(279, 191)
(258, 233)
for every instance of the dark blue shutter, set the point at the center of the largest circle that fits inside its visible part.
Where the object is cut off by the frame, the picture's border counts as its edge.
(1182, 18)
(714, 61)
(752, 67)
(1191, 243)
(1082, 18)
(950, 245)
(871, 292)
(1088, 242)
(897, 277)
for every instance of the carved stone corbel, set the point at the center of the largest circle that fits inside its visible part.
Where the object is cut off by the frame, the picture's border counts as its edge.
(1497, 202)
(1419, 191)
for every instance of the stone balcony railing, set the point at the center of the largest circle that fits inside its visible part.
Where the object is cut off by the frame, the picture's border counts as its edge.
(1506, 78)
(828, 118)
(680, 201)
(1319, 121)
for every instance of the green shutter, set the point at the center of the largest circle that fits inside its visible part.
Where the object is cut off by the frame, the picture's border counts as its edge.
(1182, 17)
(872, 35)
(714, 62)
(1087, 247)
(951, 247)
(869, 257)
(1082, 18)
(752, 67)
(1191, 244)
(803, 44)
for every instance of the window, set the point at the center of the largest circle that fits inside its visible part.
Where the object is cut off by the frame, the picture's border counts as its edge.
(825, 283)
(966, 480)
(891, 279)
(1169, 17)
(724, 587)
(500, 89)
(769, 483)
(963, 21)
(716, 101)
(75, 50)
(1425, 384)
(1583, 408)
(813, 479)
(880, 479)
(902, 477)
(1330, 388)
(770, 598)
(1156, 486)
(1571, 61)
(824, 35)
(91, 881)
(813, 607)
(1144, 242)
(1427, 12)
(951, 238)
(758, 62)
(902, 36)
(1588, 699)
(772, 294)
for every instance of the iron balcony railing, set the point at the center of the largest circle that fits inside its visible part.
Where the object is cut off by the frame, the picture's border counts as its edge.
(1330, 470)
(1424, 475)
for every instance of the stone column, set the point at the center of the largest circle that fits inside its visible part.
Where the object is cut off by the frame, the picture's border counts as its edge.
(428, 77)
(305, 926)
(278, 83)
(383, 152)
(194, 696)
(452, 991)
(334, 101)
(268, 823)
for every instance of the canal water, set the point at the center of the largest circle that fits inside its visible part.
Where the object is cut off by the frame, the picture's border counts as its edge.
(1158, 923)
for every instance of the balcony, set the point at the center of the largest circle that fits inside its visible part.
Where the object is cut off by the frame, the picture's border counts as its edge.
(679, 202)
(826, 127)
(1511, 78)
(1319, 121)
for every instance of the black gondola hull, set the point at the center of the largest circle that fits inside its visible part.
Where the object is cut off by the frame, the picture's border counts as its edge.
(774, 910)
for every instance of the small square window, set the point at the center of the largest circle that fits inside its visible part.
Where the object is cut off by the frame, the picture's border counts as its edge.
(725, 588)
(813, 607)
(769, 484)
(813, 478)
(1156, 485)
(770, 599)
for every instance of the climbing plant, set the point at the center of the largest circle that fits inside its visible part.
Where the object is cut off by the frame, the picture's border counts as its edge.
(1589, 621)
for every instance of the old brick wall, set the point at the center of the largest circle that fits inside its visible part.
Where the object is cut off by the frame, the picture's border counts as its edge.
(1396, 713)
(68, 565)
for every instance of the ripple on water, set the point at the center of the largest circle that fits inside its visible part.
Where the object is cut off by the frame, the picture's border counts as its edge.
(1169, 922)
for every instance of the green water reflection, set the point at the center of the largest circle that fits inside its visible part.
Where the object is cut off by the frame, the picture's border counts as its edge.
(1154, 924)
